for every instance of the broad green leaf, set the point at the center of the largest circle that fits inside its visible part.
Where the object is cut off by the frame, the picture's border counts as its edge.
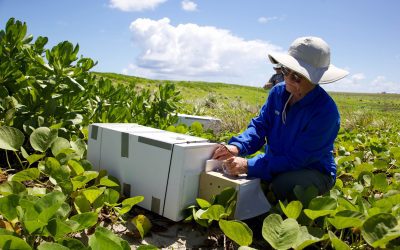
(337, 243)
(8, 205)
(85, 220)
(105, 181)
(196, 216)
(59, 228)
(11, 242)
(380, 182)
(320, 206)
(76, 167)
(92, 193)
(213, 213)
(237, 231)
(11, 187)
(58, 145)
(307, 237)
(246, 248)
(111, 196)
(292, 210)
(51, 246)
(11, 138)
(42, 138)
(346, 219)
(48, 205)
(127, 204)
(82, 204)
(72, 244)
(227, 195)
(34, 158)
(104, 239)
(79, 146)
(280, 234)
(379, 229)
(26, 175)
(142, 224)
(203, 203)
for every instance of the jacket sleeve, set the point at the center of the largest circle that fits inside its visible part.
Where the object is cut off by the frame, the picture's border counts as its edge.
(253, 138)
(314, 143)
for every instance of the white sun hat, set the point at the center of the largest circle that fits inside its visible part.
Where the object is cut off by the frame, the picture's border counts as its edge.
(310, 57)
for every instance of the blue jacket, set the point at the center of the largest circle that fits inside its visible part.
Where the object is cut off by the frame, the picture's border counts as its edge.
(304, 141)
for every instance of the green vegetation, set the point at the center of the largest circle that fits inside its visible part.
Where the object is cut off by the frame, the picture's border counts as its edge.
(49, 194)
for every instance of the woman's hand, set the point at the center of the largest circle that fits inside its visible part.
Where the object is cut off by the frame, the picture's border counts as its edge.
(223, 152)
(235, 166)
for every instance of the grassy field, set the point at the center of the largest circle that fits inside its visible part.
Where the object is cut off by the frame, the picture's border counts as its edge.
(236, 104)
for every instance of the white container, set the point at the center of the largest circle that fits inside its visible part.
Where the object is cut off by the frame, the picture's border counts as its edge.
(166, 168)
(250, 201)
(162, 166)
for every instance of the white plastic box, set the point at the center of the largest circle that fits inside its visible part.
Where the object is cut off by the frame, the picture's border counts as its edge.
(162, 166)
(250, 199)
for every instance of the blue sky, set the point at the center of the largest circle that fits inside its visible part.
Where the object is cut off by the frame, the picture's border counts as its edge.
(221, 40)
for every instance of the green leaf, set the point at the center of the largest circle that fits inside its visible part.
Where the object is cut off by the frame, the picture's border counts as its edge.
(85, 220)
(142, 224)
(76, 167)
(213, 213)
(42, 138)
(34, 158)
(292, 210)
(72, 244)
(347, 219)
(58, 145)
(111, 196)
(203, 203)
(321, 206)
(13, 243)
(380, 182)
(105, 181)
(59, 228)
(237, 231)
(26, 175)
(307, 237)
(11, 138)
(227, 195)
(104, 239)
(379, 229)
(337, 243)
(280, 234)
(8, 205)
(79, 146)
(11, 187)
(82, 204)
(92, 193)
(51, 246)
(127, 204)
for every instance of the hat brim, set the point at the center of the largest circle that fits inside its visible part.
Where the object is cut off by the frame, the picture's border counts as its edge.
(315, 75)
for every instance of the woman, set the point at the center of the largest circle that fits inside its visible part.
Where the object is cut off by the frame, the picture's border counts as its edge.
(299, 122)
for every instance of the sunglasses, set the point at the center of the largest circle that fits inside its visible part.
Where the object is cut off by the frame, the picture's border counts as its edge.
(290, 73)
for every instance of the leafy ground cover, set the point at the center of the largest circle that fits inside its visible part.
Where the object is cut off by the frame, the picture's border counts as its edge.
(50, 198)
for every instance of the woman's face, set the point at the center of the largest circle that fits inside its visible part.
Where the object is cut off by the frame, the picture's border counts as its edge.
(296, 84)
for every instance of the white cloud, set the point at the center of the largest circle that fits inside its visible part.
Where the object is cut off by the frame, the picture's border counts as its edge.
(135, 5)
(358, 83)
(193, 52)
(189, 5)
(267, 19)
